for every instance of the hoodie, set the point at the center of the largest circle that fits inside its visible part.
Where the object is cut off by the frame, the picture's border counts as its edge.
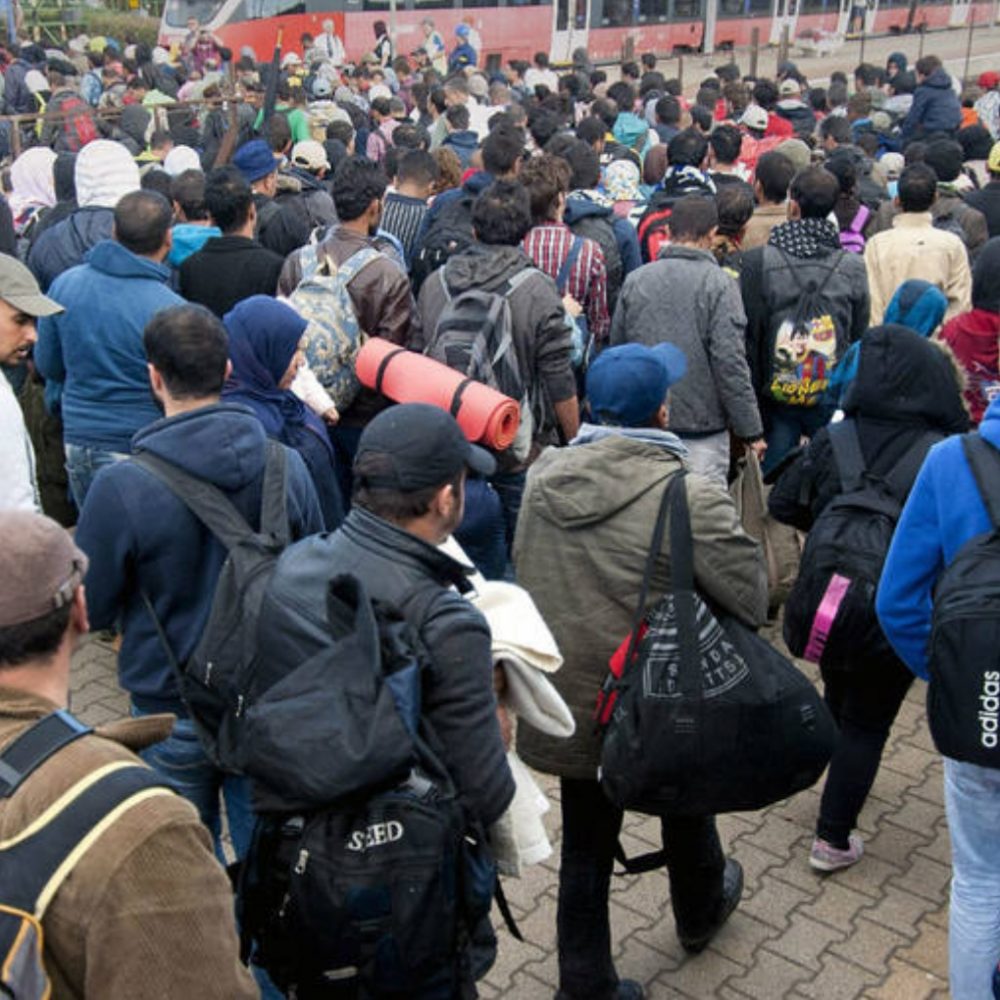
(935, 108)
(189, 238)
(137, 534)
(95, 347)
(463, 143)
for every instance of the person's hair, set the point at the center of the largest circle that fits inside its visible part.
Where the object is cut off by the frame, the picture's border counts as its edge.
(142, 219)
(457, 117)
(727, 72)
(449, 169)
(726, 142)
(706, 97)
(623, 94)
(765, 93)
(606, 110)
(859, 105)
(944, 157)
(651, 82)
(502, 148)
(499, 93)
(189, 347)
(914, 152)
(278, 133)
(917, 188)
(693, 217)
(597, 76)
(591, 129)
(867, 142)
(542, 124)
(673, 87)
(668, 110)
(817, 99)
(37, 639)
(737, 95)
(838, 76)
(188, 190)
(389, 504)
(501, 215)
(976, 142)
(687, 149)
(357, 182)
(341, 131)
(157, 181)
(774, 173)
(437, 98)
(228, 198)
(541, 60)
(842, 167)
(545, 177)
(926, 65)
(457, 85)
(735, 205)
(417, 166)
(837, 128)
(904, 82)
(836, 94)
(701, 118)
(630, 68)
(648, 59)
(584, 165)
(867, 75)
(408, 135)
(815, 190)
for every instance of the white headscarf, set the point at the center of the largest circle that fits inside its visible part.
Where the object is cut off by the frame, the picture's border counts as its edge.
(105, 173)
(32, 183)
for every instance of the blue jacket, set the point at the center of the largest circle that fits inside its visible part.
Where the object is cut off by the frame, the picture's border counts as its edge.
(137, 534)
(935, 108)
(943, 512)
(65, 244)
(463, 144)
(95, 347)
(188, 239)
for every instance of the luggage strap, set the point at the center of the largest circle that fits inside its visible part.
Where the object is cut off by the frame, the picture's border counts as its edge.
(851, 463)
(984, 462)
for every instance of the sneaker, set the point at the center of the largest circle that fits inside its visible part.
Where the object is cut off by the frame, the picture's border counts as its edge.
(824, 857)
(627, 989)
(732, 891)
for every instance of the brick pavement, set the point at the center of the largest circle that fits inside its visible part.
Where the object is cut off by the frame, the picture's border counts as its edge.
(876, 931)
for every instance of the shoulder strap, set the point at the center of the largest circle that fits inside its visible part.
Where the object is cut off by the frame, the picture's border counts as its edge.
(901, 478)
(308, 261)
(569, 262)
(984, 461)
(682, 580)
(519, 279)
(356, 262)
(860, 220)
(35, 745)
(847, 454)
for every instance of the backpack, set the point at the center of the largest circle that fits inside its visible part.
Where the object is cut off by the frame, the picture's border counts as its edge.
(804, 340)
(36, 862)
(601, 230)
(78, 127)
(578, 325)
(449, 232)
(852, 238)
(830, 614)
(963, 696)
(653, 229)
(364, 871)
(474, 335)
(214, 681)
(700, 715)
(333, 338)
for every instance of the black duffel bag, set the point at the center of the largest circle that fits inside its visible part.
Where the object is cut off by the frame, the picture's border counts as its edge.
(707, 717)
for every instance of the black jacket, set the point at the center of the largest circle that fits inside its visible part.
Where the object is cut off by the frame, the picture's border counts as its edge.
(65, 244)
(987, 201)
(282, 227)
(227, 270)
(417, 579)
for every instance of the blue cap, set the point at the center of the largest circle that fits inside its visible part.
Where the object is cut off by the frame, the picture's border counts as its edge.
(462, 30)
(255, 160)
(626, 385)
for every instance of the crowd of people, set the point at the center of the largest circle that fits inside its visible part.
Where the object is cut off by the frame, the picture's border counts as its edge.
(682, 285)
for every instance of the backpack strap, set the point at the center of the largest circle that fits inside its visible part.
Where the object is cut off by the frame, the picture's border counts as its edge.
(519, 278)
(902, 477)
(569, 262)
(860, 220)
(349, 270)
(35, 745)
(847, 454)
(984, 461)
(308, 261)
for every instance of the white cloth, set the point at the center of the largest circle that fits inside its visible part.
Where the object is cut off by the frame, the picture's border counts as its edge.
(104, 174)
(32, 181)
(17, 457)
(179, 159)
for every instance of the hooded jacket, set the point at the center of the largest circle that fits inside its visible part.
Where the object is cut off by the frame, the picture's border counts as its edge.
(685, 298)
(463, 144)
(935, 108)
(189, 238)
(95, 347)
(974, 336)
(582, 537)
(799, 114)
(987, 201)
(137, 534)
(906, 390)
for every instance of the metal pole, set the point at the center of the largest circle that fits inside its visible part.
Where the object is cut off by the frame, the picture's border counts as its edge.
(754, 51)
(968, 44)
(711, 16)
(680, 70)
(861, 55)
(923, 34)
(392, 27)
(784, 44)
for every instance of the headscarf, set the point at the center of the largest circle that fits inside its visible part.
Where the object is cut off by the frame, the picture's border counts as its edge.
(105, 173)
(32, 181)
(919, 305)
(986, 278)
(621, 180)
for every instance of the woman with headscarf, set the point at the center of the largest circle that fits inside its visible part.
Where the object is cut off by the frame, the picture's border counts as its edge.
(32, 188)
(973, 336)
(906, 397)
(64, 183)
(265, 339)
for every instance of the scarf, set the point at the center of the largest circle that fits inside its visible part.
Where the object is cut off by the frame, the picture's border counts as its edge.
(32, 181)
(806, 238)
(589, 433)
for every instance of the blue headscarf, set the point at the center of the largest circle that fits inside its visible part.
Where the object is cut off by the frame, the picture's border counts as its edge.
(917, 304)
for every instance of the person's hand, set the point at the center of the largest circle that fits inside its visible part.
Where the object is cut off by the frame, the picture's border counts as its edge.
(758, 447)
(332, 416)
(571, 305)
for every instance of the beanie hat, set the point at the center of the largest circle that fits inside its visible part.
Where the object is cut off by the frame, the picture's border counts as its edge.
(104, 174)
(179, 159)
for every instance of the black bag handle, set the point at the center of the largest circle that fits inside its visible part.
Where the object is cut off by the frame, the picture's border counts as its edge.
(847, 454)
(984, 462)
(689, 678)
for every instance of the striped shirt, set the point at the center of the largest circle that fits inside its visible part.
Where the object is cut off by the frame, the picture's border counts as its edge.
(548, 245)
(402, 216)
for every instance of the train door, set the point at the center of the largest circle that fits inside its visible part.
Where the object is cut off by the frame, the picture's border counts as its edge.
(844, 18)
(959, 13)
(786, 13)
(571, 21)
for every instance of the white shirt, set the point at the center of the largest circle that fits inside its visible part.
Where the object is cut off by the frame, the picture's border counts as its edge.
(331, 47)
(17, 457)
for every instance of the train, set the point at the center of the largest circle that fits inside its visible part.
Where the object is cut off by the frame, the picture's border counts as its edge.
(517, 29)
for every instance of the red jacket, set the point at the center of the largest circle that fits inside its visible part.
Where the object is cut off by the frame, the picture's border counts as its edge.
(973, 336)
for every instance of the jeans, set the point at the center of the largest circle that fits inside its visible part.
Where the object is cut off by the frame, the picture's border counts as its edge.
(591, 825)
(972, 802)
(787, 425)
(864, 705)
(482, 532)
(82, 465)
(708, 456)
(181, 759)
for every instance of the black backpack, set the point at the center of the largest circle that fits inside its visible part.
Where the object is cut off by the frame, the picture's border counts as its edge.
(830, 614)
(705, 717)
(963, 697)
(216, 677)
(449, 232)
(653, 227)
(600, 229)
(364, 877)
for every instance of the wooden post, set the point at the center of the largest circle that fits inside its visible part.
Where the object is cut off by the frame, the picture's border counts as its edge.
(923, 32)
(861, 55)
(15, 136)
(968, 44)
(680, 69)
(784, 44)
(754, 51)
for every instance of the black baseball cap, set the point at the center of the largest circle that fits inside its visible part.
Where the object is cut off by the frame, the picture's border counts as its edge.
(422, 446)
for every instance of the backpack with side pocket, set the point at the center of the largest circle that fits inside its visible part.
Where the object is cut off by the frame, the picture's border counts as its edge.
(78, 127)
(474, 335)
(36, 862)
(963, 696)
(578, 325)
(852, 239)
(830, 613)
(653, 228)
(215, 679)
(334, 336)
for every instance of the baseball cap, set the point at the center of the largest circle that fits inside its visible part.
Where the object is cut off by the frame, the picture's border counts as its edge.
(993, 163)
(989, 79)
(462, 30)
(19, 288)
(422, 446)
(789, 88)
(40, 567)
(255, 160)
(626, 385)
(754, 117)
(310, 154)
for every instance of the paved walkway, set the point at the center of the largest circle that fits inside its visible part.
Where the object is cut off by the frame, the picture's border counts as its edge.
(876, 931)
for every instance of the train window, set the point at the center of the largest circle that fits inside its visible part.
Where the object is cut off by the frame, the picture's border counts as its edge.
(687, 10)
(618, 13)
(653, 11)
(252, 10)
(746, 8)
(425, 4)
(819, 6)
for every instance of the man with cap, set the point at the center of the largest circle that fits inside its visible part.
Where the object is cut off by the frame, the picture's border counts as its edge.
(581, 543)
(793, 109)
(409, 485)
(21, 303)
(155, 904)
(303, 182)
(463, 54)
